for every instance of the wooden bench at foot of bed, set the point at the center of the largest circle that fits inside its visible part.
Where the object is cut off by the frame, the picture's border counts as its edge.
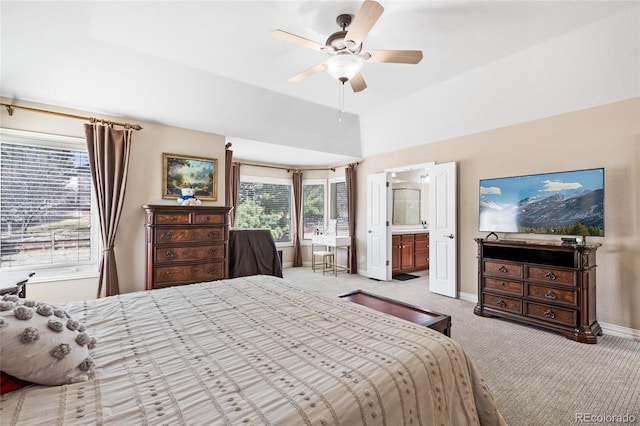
(433, 320)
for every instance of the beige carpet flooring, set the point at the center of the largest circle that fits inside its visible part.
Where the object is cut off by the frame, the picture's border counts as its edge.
(537, 377)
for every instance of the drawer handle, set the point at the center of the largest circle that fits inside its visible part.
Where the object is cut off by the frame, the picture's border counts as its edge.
(501, 303)
(211, 234)
(503, 283)
(211, 271)
(168, 236)
(550, 295)
(208, 219)
(173, 218)
(168, 255)
(503, 270)
(550, 276)
(212, 252)
(549, 314)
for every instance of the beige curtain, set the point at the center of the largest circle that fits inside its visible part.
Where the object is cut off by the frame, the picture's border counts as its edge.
(297, 202)
(108, 151)
(350, 180)
(234, 190)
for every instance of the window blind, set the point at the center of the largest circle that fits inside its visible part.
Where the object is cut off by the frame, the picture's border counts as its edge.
(45, 206)
(266, 206)
(339, 208)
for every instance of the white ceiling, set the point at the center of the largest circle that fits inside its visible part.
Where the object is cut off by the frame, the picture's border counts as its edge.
(213, 66)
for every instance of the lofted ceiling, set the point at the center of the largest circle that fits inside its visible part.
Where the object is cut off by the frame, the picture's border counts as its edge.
(213, 66)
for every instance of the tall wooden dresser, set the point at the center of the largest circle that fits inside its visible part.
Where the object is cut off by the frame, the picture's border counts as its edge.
(545, 284)
(186, 245)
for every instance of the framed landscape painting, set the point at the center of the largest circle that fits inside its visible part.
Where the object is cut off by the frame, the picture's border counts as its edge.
(199, 173)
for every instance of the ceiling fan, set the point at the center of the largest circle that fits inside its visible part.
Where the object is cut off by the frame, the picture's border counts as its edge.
(346, 55)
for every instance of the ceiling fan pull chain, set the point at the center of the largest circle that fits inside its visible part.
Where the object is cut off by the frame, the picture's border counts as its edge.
(341, 100)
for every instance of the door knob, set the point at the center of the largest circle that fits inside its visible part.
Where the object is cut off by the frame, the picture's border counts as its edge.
(450, 236)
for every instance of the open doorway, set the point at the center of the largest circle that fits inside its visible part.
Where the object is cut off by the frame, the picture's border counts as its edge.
(410, 197)
(409, 204)
(384, 220)
(379, 217)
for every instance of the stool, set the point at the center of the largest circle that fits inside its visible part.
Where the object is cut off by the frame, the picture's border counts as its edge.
(328, 261)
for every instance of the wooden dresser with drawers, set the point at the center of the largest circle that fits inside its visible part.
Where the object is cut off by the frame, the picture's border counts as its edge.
(185, 245)
(545, 284)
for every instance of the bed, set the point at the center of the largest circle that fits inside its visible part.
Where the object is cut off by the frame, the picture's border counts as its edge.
(257, 350)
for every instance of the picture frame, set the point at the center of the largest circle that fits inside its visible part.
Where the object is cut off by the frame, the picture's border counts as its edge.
(182, 171)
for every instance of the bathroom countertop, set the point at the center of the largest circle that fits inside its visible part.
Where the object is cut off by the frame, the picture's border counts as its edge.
(408, 230)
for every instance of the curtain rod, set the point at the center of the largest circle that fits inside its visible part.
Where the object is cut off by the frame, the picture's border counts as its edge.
(290, 169)
(78, 117)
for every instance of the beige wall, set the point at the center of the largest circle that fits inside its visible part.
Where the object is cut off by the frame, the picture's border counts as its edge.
(606, 136)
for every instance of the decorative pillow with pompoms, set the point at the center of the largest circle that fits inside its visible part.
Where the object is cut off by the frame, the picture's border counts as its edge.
(42, 344)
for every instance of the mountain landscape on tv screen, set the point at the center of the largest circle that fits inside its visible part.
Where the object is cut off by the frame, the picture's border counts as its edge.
(581, 213)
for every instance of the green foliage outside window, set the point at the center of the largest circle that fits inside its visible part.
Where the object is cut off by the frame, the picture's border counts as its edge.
(313, 209)
(265, 206)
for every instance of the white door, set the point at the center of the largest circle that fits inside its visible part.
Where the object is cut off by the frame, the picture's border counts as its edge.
(378, 229)
(442, 230)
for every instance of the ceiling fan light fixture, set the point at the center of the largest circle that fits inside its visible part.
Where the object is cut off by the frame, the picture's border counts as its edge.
(344, 67)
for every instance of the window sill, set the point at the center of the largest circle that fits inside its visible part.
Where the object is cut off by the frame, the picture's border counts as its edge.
(287, 244)
(66, 275)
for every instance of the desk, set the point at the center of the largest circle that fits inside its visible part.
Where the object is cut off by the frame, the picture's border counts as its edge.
(253, 252)
(15, 282)
(333, 243)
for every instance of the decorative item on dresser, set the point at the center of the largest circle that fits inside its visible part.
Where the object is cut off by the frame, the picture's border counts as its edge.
(186, 244)
(546, 284)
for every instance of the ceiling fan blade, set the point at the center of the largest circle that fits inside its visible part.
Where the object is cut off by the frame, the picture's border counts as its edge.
(366, 18)
(395, 56)
(357, 83)
(306, 73)
(300, 41)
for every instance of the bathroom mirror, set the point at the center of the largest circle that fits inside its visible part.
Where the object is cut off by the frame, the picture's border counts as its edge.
(406, 206)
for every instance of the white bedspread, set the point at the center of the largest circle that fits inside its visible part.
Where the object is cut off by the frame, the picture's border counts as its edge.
(257, 350)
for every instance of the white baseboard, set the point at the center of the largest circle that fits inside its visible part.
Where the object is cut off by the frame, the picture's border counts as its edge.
(619, 331)
(468, 297)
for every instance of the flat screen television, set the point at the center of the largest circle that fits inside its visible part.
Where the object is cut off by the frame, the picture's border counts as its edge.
(563, 203)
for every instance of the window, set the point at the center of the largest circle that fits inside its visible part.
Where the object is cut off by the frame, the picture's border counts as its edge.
(45, 203)
(266, 204)
(339, 208)
(313, 208)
